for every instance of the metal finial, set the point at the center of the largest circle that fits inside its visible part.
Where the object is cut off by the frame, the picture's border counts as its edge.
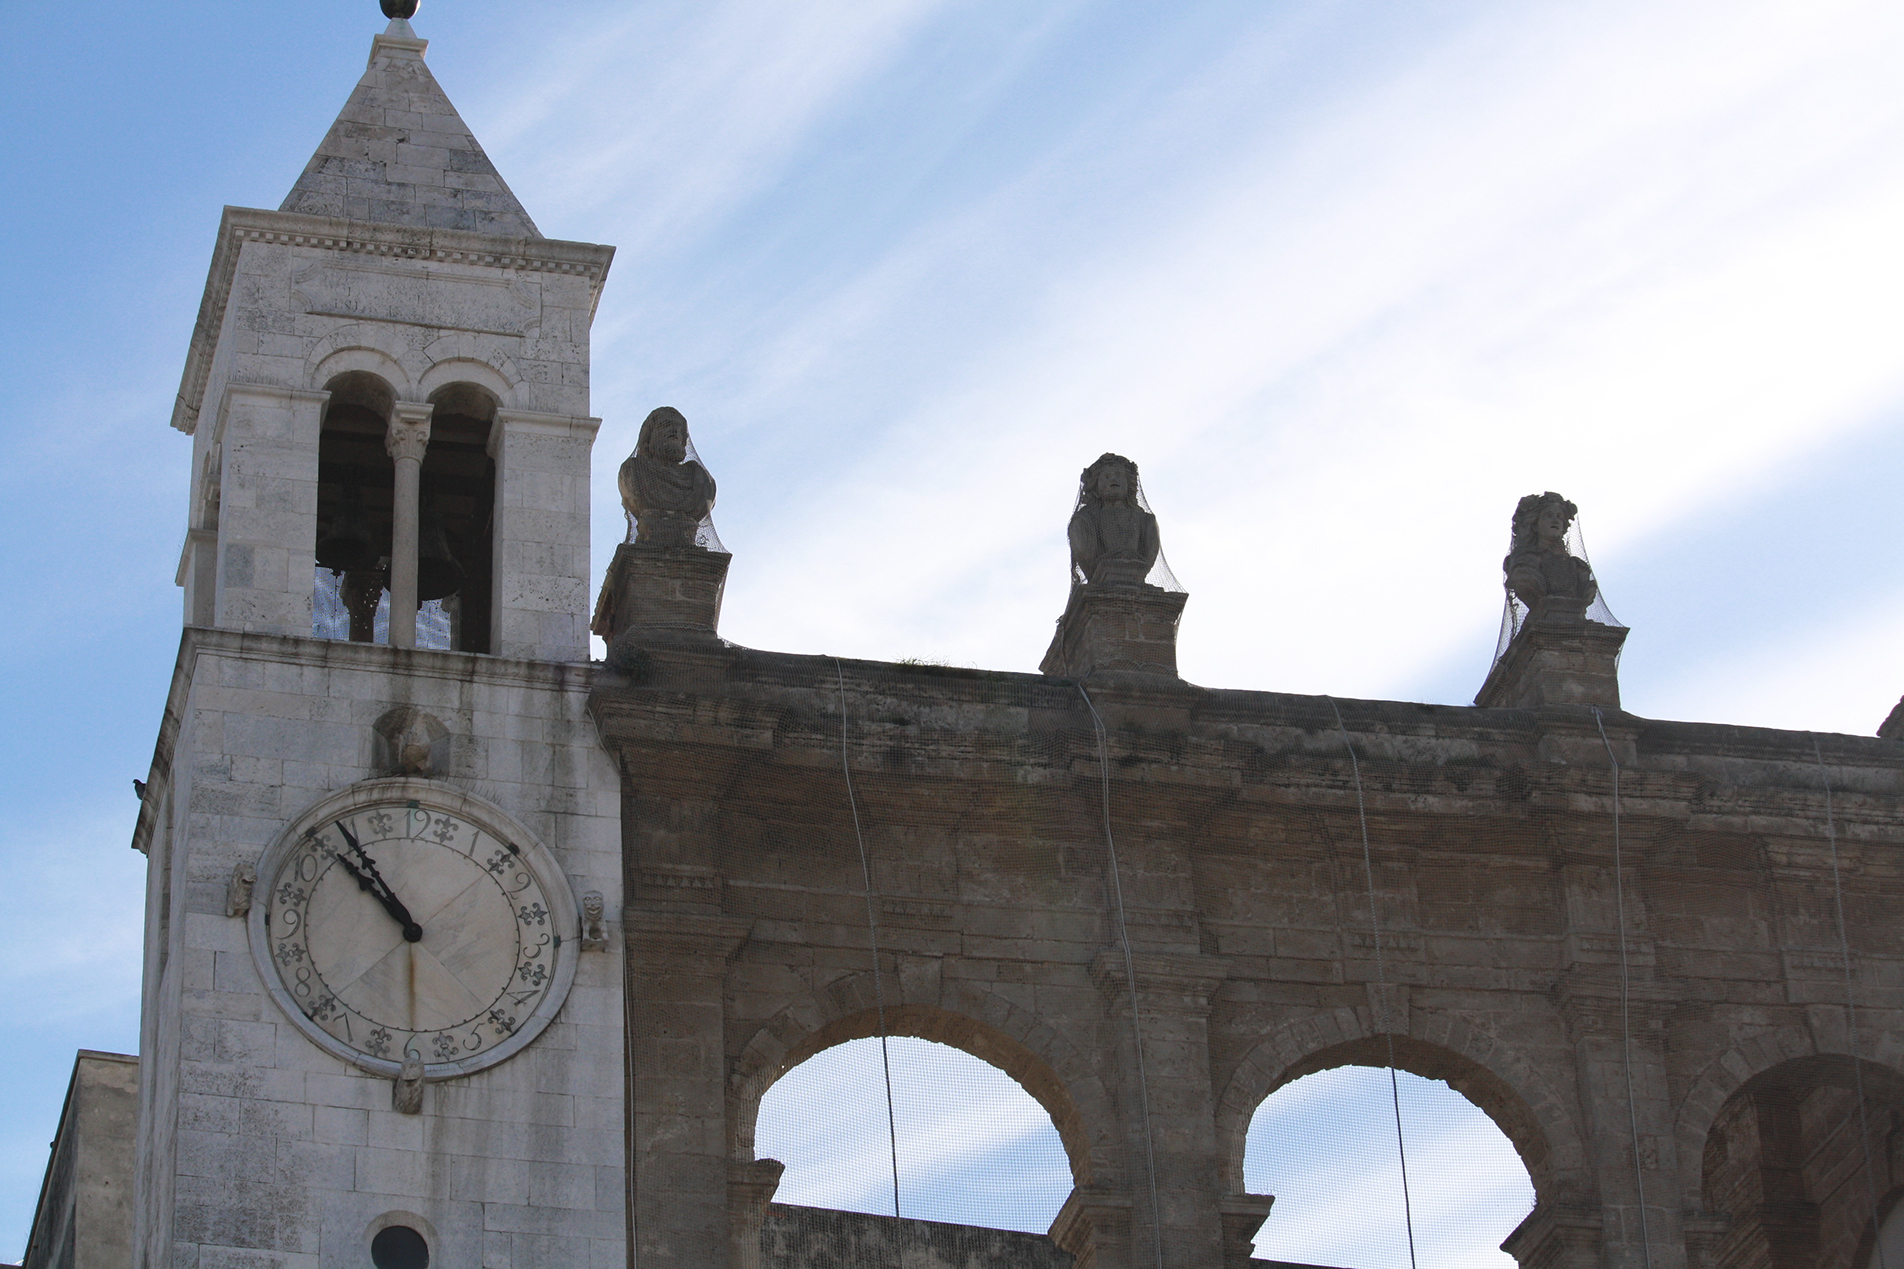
(405, 9)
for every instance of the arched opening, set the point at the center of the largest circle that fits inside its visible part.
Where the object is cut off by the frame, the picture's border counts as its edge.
(354, 514)
(354, 489)
(1801, 1173)
(459, 510)
(1324, 1143)
(973, 1147)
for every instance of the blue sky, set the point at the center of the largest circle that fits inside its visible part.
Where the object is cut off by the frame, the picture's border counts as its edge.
(1346, 279)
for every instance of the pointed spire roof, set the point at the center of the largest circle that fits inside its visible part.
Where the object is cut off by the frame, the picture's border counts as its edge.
(399, 154)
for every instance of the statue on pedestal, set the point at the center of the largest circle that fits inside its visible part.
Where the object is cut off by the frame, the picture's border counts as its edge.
(1540, 567)
(1113, 537)
(664, 488)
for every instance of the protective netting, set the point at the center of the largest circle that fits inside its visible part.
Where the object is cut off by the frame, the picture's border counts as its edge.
(330, 615)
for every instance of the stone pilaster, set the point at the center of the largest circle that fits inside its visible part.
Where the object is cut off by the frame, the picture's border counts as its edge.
(660, 595)
(267, 516)
(541, 537)
(679, 1165)
(1116, 630)
(1173, 999)
(1558, 658)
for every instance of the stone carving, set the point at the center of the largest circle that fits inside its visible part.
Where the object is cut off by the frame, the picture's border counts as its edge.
(594, 929)
(1113, 539)
(244, 875)
(666, 492)
(406, 1094)
(411, 742)
(1539, 568)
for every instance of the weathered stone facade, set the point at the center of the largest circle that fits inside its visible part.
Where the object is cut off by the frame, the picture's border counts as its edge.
(1235, 821)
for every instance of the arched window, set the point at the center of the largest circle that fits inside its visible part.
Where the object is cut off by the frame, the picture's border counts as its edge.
(459, 506)
(974, 1148)
(1325, 1146)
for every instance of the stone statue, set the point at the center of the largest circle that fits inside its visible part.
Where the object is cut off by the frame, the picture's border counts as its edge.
(667, 493)
(1113, 539)
(1538, 567)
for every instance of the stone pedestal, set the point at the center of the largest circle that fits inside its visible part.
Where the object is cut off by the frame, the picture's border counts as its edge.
(665, 595)
(1558, 658)
(1116, 630)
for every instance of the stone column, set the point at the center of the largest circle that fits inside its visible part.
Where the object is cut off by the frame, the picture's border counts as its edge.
(407, 438)
(1174, 992)
(684, 1185)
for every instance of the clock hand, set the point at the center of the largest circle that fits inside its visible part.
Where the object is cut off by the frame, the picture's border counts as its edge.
(380, 890)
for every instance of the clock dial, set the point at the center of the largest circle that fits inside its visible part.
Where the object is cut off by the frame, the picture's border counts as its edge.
(400, 926)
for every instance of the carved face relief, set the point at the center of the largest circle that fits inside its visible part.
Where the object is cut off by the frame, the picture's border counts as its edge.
(668, 442)
(1113, 483)
(1550, 528)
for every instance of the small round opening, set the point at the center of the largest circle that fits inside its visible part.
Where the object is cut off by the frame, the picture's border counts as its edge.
(399, 1247)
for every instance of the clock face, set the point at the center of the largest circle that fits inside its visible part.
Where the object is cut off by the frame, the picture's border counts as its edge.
(407, 920)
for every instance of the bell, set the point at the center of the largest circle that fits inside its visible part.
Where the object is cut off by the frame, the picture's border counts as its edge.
(438, 575)
(347, 545)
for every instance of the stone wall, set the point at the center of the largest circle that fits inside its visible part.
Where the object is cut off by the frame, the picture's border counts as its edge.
(1235, 815)
(262, 1149)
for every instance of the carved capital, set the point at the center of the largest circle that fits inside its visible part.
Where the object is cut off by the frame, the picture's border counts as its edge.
(1243, 1215)
(408, 434)
(1561, 1236)
(1094, 1225)
(750, 1187)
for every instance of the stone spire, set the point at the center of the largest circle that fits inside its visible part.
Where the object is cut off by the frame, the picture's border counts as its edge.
(399, 154)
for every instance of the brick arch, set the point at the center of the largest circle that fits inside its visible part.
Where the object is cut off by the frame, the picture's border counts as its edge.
(366, 346)
(1507, 1087)
(1057, 1074)
(1760, 1056)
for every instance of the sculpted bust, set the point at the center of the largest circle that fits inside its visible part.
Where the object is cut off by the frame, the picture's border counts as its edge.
(667, 493)
(1539, 567)
(1113, 539)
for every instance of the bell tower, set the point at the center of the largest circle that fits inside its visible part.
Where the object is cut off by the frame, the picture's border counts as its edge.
(382, 1017)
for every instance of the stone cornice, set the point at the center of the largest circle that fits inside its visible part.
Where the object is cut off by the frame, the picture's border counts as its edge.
(445, 246)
